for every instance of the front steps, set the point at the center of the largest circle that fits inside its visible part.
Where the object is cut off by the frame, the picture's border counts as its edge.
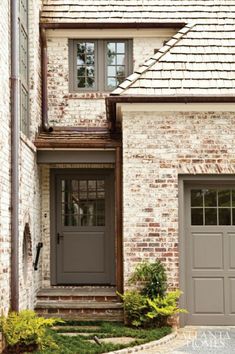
(85, 303)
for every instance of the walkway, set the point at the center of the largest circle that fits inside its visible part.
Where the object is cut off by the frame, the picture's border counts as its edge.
(199, 340)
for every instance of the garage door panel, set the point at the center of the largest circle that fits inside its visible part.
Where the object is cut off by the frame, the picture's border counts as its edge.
(232, 295)
(205, 300)
(231, 251)
(210, 254)
(207, 250)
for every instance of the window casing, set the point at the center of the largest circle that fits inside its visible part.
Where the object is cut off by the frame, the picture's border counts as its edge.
(23, 67)
(99, 64)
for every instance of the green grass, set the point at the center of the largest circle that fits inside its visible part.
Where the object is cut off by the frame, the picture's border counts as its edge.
(79, 344)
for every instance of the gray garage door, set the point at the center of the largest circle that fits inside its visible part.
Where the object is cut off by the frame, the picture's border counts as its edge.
(210, 254)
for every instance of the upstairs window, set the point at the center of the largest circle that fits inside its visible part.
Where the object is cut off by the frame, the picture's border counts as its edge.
(99, 65)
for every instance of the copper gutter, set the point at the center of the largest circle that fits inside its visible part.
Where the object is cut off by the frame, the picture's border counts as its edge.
(15, 138)
(114, 25)
(112, 100)
(45, 125)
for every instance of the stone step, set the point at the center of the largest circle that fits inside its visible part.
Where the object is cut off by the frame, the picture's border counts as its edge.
(50, 304)
(80, 303)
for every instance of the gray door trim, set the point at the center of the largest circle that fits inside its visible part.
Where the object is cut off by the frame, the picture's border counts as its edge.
(53, 176)
(183, 181)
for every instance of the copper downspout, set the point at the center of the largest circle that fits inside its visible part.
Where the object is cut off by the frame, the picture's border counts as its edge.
(45, 125)
(14, 291)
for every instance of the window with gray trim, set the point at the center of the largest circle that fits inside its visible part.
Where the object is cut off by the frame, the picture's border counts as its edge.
(99, 65)
(23, 67)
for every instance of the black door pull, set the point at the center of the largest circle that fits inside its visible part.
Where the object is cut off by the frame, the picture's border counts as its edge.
(59, 236)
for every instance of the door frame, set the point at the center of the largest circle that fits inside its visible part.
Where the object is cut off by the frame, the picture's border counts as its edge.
(184, 180)
(54, 172)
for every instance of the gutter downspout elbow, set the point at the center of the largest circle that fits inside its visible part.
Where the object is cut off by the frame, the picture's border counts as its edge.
(45, 125)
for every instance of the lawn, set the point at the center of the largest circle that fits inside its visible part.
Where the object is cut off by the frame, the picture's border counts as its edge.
(80, 344)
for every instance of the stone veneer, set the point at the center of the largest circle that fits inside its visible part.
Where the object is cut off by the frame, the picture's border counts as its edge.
(157, 147)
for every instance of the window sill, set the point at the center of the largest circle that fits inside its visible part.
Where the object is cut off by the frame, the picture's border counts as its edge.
(87, 95)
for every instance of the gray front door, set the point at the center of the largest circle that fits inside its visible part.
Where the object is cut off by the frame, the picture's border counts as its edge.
(210, 254)
(85, 228)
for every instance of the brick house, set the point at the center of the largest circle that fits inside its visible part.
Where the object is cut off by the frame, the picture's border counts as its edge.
(125, 152)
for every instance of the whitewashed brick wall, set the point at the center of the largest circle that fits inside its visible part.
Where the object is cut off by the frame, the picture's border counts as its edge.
(157, 147)
(29, 192)
(82, 109)
(29, 208)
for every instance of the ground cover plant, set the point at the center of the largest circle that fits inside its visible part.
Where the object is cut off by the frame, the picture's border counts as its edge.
(25, 332)
(81, 344)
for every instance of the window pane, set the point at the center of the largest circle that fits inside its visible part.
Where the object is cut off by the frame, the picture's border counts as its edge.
(120, 59)
(225, 216)
(111, 47)
(81, 81)
(196, 198)
(90, 59)
(81, 71)
(224, 198)
(210, 198)
(81, 59)
(197, 216)
(120, 47)
(90, 82)
(111, 70)
(210, 216)
(111, 82)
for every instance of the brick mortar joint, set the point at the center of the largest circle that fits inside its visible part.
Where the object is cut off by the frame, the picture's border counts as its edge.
(149, 345)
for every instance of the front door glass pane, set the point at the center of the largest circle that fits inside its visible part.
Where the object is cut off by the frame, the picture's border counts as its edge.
(83, 202)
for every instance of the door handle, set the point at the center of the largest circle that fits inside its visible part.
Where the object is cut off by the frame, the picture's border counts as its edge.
(59, 236)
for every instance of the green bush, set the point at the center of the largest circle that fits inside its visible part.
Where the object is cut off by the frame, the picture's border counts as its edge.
(153, 278)
(162, 307)
(25, 329)
(135, 307)
(152, 305)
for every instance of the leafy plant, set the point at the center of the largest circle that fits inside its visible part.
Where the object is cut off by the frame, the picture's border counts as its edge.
(162, 307)
(25, 329)
(135, 307)
(153, 278)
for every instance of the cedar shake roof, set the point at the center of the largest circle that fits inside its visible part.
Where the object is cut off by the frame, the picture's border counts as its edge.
(199, 59)
(137, 10)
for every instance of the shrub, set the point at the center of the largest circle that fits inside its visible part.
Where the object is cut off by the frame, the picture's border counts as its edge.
(25, 329)
(162, 307)
(153, 278)
(135, 307)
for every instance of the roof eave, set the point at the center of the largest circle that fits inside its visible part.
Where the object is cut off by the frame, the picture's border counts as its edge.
(112, 100)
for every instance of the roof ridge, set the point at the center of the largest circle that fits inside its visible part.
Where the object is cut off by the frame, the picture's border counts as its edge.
(131, 79)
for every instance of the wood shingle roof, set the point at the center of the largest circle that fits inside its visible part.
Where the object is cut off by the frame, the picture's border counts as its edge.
(199, 59)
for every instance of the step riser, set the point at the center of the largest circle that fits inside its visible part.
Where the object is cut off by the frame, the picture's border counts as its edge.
(82, 314)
